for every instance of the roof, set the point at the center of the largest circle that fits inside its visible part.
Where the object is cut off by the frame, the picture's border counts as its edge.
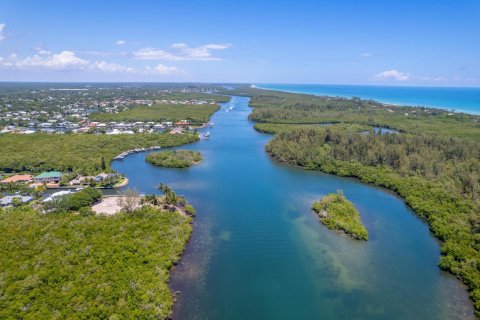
(56, 195)
(5, 201)
(17, 178)
(50, 174)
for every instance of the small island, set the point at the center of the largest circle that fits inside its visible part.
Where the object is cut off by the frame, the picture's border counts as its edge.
(337, 213)
(174, 158)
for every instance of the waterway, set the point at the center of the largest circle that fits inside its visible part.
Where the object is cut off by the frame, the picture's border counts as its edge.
(258, 252)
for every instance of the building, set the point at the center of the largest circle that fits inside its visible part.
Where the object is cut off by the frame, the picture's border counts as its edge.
(18, 178)
(102, 176)
(49, 177)
(9, 200)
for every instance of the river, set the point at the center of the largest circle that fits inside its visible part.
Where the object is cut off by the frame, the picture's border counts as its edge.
(258, 252)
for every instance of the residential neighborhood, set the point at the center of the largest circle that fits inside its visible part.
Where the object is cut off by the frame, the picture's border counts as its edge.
(68, 110)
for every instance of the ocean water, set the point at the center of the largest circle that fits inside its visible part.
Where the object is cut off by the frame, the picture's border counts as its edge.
(450, 98)
(258, 251)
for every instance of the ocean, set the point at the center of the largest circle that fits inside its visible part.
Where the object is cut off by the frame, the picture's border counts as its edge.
(462, 99)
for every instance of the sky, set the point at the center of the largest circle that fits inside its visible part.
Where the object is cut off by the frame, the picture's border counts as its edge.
(384, 42)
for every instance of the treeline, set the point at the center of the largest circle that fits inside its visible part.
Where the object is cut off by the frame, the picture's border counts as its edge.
(437, 176)
(80, 153)
(281, 107)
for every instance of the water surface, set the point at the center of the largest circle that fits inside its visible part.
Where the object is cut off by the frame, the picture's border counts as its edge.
(459, 99)
(258, 252)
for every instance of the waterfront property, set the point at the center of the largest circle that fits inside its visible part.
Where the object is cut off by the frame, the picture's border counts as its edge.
(49, 177)
(18, 178)
(14, 200)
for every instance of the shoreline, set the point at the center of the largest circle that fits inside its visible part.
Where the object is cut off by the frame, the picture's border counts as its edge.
(395, 189)
(379, 100)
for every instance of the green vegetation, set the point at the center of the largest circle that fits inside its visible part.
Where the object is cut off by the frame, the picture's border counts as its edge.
(182, 96)
(281, 107)
(196, 114)
(74, 202)
(70, 266)
(438, 177)
(81, 153)
(337, 213)
(434, 163)
(174, 158)
(274, 128)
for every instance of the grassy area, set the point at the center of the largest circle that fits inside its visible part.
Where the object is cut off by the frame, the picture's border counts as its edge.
(81, 153)
(69, 266)
(196, 114)
(174, 159)
(337, 213)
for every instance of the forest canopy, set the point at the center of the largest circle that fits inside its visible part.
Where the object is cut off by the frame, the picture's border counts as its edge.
(81, 153)
(70, 266)
(174, 158)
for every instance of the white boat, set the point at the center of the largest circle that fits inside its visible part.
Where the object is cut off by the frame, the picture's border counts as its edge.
(207, 135)
(210, 124)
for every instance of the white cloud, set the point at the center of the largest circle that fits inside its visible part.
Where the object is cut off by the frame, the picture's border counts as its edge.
(393, 75)
(44, 52)
(120, 42)
(366, 55)
(2, 27)
(110, 67)
(60, 61)
(68, 60)
(161, 69)
(181, 52)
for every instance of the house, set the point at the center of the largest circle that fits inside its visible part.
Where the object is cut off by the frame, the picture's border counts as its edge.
(182, 123)
(176, 130)
(49, 177)
(18, 178)
(102, 176)
(9, 200)
(80, 180)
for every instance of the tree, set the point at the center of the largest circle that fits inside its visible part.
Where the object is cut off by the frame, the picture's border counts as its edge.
(104, 166)
(129, 200)
(17, 202)
(170, 197)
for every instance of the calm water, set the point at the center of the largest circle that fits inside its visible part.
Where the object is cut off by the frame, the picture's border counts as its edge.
(459, 99)
(258, 252)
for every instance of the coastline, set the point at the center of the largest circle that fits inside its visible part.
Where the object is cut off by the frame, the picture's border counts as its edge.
(387, 102)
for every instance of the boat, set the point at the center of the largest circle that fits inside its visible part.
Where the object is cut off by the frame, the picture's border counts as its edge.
(210, 124)
(207, 135)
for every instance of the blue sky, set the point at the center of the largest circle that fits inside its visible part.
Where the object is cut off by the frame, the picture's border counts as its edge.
(388, 42)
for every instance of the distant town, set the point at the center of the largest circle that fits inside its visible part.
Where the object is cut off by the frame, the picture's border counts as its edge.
(68, 110)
